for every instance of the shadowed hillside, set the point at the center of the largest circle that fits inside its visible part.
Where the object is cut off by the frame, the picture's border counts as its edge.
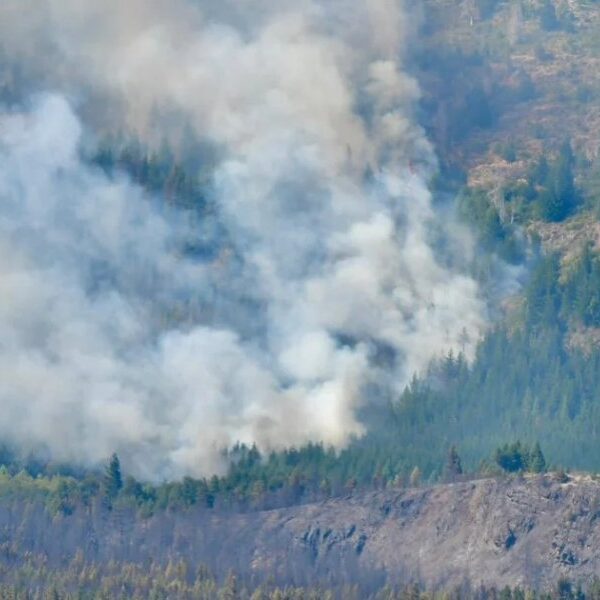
(529, 532)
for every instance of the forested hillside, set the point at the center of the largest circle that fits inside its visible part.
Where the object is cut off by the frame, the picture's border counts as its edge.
(531, 537)
(506, 112)
(535, 373)
(371, 284)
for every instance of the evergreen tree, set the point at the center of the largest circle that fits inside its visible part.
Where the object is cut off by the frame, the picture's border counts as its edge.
(453, 464)
(542, 297)
(582, 293)
(537, 462)
(559, 198)
(511, 457)
(113, 480)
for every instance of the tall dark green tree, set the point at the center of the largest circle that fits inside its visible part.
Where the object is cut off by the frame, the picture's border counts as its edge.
(537, 462)
(454, 467)
(543, 297)
(558, 198)
(113, 480)
(582, 294)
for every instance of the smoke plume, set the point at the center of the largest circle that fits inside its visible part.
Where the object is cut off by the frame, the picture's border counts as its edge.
(321, 184)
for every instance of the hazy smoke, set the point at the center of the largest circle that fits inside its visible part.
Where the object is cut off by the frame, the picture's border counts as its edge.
(337, 285)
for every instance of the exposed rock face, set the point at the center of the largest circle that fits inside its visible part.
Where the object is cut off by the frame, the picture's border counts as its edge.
(493, 532)
(528, 532)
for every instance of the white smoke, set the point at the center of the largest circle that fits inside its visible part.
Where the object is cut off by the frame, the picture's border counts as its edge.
(303, 100)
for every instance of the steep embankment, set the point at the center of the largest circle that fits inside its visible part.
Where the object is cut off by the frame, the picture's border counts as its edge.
(528, 532)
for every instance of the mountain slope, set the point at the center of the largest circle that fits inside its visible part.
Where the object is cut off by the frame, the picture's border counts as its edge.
(527, 532)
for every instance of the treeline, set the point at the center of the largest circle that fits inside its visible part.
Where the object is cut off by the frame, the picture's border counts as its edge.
(253, 482)
(179, 580)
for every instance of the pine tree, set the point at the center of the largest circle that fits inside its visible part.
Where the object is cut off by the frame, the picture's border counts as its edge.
(559, 197)
(454, 464)
(512, 457)
(537, 462)
(113, 480)
(542, 301)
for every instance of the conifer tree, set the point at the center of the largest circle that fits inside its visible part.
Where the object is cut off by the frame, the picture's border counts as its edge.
(113, 480)
(454, 464)
(537, 462)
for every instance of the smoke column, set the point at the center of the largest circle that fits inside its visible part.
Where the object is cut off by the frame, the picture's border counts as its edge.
(336, 287)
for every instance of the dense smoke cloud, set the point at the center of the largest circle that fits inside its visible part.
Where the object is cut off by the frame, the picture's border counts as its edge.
(317, 187)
